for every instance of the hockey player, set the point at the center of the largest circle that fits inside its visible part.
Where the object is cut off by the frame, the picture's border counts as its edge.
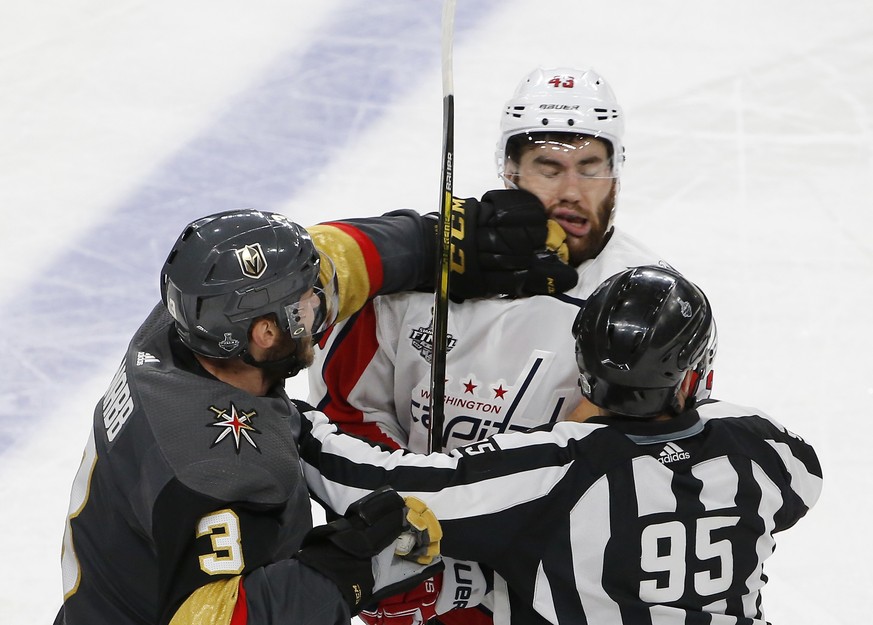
(658, 508)
(189, 505)
(508, 366)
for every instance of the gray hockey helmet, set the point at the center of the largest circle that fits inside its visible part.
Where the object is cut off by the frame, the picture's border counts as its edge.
(230, 268)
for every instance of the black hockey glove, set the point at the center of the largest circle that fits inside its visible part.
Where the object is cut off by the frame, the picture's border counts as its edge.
(356, 551)
(504, 245)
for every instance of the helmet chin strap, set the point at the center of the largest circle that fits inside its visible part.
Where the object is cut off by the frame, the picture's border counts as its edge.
(286, 367)
(510, 184)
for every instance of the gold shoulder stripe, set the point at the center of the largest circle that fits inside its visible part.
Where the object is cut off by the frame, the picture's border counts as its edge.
(212, 604)
(353, 279)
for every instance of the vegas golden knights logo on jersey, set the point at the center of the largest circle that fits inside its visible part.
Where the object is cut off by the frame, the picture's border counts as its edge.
(234, 423)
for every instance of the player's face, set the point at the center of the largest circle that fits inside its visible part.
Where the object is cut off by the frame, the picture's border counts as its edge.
(303, 345)
(294, 348)
(301, 348)
(574, 181)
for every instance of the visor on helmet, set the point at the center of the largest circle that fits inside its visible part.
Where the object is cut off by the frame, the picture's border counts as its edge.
(317, 310)
(553, 159)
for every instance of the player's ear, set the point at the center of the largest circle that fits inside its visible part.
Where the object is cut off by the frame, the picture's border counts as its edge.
(264, 332)
(686, 386)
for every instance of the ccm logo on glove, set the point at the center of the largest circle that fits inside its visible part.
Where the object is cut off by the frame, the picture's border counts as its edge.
(456, 256)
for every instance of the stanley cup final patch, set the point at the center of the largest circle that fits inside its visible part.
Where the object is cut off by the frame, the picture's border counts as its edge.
(252, 260)
(421, 339)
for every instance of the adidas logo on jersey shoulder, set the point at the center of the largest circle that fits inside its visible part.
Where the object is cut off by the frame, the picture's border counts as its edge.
(672, 453)
(145, 357)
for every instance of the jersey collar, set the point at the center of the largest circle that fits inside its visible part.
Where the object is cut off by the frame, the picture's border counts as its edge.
(643, 432)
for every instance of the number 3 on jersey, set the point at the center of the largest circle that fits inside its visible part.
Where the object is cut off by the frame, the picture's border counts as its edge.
(663, 550)
(223, 529)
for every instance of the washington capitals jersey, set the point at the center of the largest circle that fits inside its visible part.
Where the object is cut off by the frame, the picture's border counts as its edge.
(616, 521)
(510, 363)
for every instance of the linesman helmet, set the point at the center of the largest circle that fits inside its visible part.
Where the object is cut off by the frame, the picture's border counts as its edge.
(638, 335)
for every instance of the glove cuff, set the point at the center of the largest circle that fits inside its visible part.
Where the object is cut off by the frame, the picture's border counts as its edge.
(353, 578)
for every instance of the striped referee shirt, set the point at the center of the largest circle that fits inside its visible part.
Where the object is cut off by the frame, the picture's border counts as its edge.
(613, 521)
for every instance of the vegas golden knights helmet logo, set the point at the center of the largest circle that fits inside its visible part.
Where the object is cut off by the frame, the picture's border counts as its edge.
(252, 260)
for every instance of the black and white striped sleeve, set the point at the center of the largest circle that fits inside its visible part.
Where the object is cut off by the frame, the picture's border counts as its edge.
(488, 477)
(788, 460)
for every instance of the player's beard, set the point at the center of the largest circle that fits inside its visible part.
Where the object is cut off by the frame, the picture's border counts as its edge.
(287, 359)
(589, 246)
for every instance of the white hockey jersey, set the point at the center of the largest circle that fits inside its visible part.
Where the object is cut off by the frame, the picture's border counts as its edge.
(510, 363)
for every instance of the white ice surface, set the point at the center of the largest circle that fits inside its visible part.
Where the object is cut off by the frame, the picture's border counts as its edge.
(749, 139)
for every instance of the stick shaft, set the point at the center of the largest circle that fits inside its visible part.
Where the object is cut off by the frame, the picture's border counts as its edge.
(436, 423)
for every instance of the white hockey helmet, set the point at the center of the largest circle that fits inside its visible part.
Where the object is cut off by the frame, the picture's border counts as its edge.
(563, 99)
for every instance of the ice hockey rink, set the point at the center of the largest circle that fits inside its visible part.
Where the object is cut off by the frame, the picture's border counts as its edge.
(749, 166)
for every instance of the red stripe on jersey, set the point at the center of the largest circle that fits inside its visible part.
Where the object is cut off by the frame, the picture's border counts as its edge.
(345, 365)
(372, 258)
(324, 337)
(240, 610)
(466, 616)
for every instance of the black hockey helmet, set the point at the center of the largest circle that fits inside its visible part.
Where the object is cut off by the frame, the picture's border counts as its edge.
(227, 269)
(637, 336)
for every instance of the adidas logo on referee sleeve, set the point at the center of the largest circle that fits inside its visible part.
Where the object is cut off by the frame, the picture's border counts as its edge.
(672, 453)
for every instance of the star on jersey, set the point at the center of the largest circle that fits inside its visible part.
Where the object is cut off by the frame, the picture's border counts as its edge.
(238, 423)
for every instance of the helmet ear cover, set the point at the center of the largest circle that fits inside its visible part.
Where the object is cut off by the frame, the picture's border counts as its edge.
(637, 336)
